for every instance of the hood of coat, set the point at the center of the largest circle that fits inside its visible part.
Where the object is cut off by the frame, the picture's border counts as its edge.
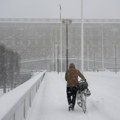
(71, 66)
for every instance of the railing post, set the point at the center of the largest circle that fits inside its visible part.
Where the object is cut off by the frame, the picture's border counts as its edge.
(24, 110)
(30, 99)
(14, 116)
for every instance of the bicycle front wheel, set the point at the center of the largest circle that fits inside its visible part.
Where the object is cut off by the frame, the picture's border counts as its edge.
(83, 104)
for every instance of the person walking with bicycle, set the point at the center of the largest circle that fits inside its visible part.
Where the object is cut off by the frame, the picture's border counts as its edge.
(71, 76)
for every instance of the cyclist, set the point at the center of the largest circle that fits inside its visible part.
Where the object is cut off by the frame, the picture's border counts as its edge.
(71, 76)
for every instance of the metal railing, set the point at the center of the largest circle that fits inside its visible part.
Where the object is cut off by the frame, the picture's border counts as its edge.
(16, 104)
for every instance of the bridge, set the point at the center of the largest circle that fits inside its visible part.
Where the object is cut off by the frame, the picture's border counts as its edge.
(43, 97)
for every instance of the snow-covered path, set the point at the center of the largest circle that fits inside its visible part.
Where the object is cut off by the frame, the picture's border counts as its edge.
(50, 102)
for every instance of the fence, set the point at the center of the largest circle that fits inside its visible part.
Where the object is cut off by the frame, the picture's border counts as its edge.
(15, 104)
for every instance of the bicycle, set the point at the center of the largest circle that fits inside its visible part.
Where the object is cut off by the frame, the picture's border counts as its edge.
(81, 99)
(82, 93)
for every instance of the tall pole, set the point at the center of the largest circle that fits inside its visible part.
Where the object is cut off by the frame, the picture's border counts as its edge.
(66, 46)
(115, 59)
(88, 57)
(82, 38)
(67, 22)
(102, 49)
(61, 34)
(53, 51)
(58, 58)
(54, 56)
(94, 62)
(56, 51)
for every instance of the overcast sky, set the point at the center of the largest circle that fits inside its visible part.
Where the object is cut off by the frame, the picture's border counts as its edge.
(100, 9)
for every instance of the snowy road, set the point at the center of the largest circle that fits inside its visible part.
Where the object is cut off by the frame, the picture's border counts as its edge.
(50, 102)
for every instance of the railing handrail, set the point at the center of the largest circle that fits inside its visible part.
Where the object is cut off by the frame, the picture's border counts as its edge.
(20, 99)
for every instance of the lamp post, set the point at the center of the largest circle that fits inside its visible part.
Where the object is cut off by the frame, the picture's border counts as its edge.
(102, 42)
(82, 38)
(94, 64)
(56, 54)
(115, 49)
(67, 22)
(115, 60)
(53, 53)
(61, 35)
(88, 59)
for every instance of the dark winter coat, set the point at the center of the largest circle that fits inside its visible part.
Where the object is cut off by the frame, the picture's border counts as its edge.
(71, 76)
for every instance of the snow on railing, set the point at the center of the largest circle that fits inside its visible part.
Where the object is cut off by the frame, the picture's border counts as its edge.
(15, 104)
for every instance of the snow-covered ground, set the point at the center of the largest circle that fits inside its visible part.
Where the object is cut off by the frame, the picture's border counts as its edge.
(50, 102)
